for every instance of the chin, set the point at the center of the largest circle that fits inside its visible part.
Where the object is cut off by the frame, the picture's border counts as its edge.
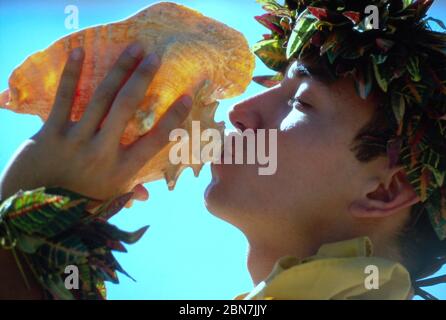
(214, 195)
(229, 193)
(220, 195)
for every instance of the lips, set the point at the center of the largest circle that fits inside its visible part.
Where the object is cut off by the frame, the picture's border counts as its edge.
(228, 152)
(229, 146)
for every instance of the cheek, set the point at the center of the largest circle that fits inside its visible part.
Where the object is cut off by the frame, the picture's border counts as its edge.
(311, 159)
(292, 120)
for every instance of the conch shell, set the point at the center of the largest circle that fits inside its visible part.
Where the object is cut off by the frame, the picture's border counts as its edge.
(200, 57)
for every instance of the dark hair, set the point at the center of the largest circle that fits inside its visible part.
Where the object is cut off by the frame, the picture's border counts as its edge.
(422, 251)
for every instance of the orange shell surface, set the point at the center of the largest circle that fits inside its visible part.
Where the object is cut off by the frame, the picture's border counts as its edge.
(200, 57)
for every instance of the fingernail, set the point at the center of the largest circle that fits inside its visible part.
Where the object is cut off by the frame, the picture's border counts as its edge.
(187, 101)
(151, 60)
(135, 50)
(77, 53)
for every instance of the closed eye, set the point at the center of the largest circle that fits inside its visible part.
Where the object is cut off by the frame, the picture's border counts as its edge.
(298, 104)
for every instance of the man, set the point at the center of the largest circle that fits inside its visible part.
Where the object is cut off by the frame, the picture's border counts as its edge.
(360, 150)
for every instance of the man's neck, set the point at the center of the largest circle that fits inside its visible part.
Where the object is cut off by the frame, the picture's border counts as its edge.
(264, 253)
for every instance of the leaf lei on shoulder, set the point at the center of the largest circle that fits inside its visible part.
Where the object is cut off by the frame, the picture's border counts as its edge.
(404, 59)
(52, 228)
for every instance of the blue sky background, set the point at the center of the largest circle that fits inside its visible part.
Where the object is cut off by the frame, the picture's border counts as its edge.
(187, 253)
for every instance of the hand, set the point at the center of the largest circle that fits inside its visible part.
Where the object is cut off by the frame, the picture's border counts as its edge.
(78, 156)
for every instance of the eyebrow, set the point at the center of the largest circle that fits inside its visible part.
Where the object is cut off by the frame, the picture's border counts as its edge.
(311, 70)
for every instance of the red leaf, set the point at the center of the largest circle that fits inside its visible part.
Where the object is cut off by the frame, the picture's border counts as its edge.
(393, 151)
(420, 7)
(384, 44)
(316, 40)
(417, 137)
(116, 245)
(424, 183)
(267, 21)
(319, 13)
(115, 205)
(266, 81)
(353, 16)
(414, 91)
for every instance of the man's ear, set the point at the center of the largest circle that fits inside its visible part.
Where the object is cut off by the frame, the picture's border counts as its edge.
(383, 199)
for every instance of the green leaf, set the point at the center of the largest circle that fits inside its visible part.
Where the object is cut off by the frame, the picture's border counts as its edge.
(420, 178)
(332, 40)
(49, 221)
(334, 46)
(89, 282)
(104, 270)
(413, 66)
(24, 201)
(355, 53)
(333, 53)
(273, 7)
(436, 208)
(432, 160)
(39, 212)
(57, 288)
(272, 53)
(60, 253)
(267, 2)
(101, 289)
(364, 81)
(442, 126)
(28, 244)
(438, 175)
(406, 3)
(71, 236)
(362, 26)
(303, 30)
(399, 109)
(380, 72)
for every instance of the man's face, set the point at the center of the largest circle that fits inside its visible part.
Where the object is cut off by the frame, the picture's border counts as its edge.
(317, 174)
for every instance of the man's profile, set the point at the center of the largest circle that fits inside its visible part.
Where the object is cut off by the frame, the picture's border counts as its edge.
(356, 208)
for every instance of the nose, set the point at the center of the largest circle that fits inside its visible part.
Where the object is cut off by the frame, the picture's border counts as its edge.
(246, 114)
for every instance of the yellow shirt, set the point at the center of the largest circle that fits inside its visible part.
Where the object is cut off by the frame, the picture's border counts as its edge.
(340, 270)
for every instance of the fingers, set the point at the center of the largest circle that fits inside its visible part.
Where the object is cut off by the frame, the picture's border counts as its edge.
(129, 204)
(141, 151)
(139, 193)
(108, 89)
(128, 99)
(66, 91)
